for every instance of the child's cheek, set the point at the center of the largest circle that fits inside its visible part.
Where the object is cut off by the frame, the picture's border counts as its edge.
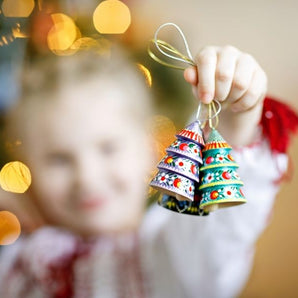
(129, 172)
(52, 189)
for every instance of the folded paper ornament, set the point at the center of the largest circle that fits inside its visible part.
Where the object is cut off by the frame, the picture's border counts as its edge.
(220, 185)
(179, 169)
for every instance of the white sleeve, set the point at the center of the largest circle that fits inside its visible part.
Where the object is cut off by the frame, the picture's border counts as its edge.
(213, 255)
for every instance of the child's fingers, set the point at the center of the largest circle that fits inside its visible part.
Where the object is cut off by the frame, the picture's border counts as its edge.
(244, 70)
(255, 92)
(226, 64)
(206, 62)
(227, 74)
(194, 90)
(191, 75)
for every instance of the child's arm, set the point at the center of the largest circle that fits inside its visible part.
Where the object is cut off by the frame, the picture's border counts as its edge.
(212, 255)
(238, 82)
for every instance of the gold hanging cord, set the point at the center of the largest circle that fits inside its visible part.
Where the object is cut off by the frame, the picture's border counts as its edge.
(171, 52)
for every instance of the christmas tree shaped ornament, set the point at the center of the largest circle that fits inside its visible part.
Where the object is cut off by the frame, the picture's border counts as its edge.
(179, 169)
(220, 184)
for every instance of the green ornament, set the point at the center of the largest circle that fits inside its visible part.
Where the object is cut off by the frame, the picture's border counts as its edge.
(219, 183)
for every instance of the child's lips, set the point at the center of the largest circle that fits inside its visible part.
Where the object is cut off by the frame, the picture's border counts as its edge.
(92, 203)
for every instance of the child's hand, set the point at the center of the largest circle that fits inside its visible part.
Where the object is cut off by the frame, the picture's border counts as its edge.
(227, 74)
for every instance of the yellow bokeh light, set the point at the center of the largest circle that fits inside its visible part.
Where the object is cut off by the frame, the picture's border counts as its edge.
(85, 43)
(101, 45)
(15, 177)
(62, 34)
(17, 8)
(163, 130)
(17, 33)
(10, 228)
(146, 73)
(111, 17)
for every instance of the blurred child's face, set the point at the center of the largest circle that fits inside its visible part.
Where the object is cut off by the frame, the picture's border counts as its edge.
(89, 159)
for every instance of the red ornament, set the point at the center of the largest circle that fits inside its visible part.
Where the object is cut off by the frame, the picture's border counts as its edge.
(181, 163)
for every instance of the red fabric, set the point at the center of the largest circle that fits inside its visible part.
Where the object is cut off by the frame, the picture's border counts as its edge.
(57, 264)
(63, 272)
(278, 122)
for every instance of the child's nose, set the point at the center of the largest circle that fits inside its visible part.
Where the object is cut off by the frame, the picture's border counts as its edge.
(88, 174)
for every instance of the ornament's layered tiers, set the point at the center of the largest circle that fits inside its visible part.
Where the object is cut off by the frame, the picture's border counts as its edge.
(217, 145)
(192, 133)
(220, 176)
(227, 195)
(179, 169)
(174, 184)
(186, 148)
(180, 165)
(219, 184)
(217, 158)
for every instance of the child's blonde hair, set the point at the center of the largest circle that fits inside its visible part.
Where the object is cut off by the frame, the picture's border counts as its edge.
(43, 81)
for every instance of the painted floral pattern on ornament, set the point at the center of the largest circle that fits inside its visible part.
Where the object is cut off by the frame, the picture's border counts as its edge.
(226, 193)
(216, 157)
(181, 165)
(174, 182)
(186, 148)
(222, 174)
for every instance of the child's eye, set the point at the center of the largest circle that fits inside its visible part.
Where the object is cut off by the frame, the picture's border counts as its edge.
(109, 148)
(59, 159)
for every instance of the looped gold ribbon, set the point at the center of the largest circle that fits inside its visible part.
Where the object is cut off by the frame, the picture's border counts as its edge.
(169, 48)
(171, 52)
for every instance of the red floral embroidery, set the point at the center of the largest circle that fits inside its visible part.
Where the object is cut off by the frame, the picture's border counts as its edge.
(278, 122)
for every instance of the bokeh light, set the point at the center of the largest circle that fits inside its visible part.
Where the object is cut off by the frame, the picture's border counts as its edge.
(100, 45)
(10, 228)
(145, 71)
(15, 177)
(17, 8)
(17, 33)
(111, 17)
(41, 24)
(62, 34)
(163, 130)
